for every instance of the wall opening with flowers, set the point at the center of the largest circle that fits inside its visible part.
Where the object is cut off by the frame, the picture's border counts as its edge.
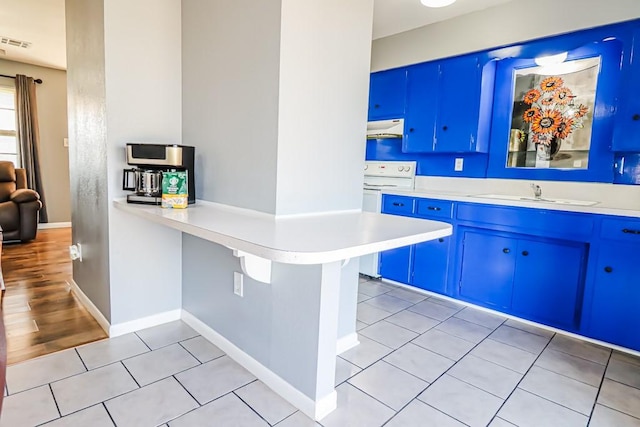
(555, 121)
(553, 115)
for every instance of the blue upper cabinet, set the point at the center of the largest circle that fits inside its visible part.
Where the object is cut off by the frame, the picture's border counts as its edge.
(626, 136)
(449, 106)
(422, 108)
(464, 105)
(387, 93)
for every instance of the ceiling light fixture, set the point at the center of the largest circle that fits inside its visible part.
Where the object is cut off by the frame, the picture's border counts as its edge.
(437, 3)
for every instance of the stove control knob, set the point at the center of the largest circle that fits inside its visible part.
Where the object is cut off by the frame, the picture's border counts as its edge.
(400, 168)
(366, 167)
(408, 168)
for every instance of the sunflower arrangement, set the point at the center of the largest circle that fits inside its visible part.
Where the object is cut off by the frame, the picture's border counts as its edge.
(552, 112)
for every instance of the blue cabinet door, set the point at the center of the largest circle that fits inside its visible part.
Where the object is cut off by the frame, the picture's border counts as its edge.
(626, 136)
(615, 311)
(548, 282)
(488, 263)
(431, 265)
(387, 90)
(422, 108)
(395, 264)
(458, 104)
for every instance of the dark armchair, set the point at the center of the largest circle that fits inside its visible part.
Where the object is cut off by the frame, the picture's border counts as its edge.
(19, 206)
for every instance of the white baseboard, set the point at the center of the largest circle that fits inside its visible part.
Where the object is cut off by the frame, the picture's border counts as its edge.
(88, 304)
(47, 225)
(314, 409)
(347, 343)
(144, 322)
(519, 319)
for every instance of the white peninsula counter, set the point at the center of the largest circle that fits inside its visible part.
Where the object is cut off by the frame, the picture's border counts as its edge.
(293, 288)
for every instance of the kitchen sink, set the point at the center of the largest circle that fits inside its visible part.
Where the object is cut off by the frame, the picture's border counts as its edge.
(536, 199)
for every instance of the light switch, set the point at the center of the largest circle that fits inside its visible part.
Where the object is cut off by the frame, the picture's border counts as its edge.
(459, 164)
(65, 142)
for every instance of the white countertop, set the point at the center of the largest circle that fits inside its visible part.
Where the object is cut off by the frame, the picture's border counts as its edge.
(308, 239)
(599, 208)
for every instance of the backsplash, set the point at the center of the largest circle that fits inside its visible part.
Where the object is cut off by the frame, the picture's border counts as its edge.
(625, 170)
(610, 195)
(473, 165)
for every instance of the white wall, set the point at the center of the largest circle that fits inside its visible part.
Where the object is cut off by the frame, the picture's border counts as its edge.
(323, 105)
(52, 112)
(143, 104)
(512, 22)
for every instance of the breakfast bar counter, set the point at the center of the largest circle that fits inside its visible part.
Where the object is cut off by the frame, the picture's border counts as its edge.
(293, 307)
(305, 239)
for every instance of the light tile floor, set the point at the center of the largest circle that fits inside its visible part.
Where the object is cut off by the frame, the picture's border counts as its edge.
(423, 361)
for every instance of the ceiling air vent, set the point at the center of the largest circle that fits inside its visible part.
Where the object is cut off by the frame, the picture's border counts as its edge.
(13, 42)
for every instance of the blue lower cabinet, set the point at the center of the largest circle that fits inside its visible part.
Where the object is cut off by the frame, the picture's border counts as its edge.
(488, 264)
(431, 265)
(615, 310)
(547, 285)
(395, 264)
(537, 280)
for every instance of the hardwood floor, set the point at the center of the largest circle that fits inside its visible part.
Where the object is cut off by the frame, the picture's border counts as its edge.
(41, 313)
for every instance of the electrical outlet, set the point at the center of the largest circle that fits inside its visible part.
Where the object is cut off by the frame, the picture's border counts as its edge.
(75, 252)
(238, 284)
(459, 164)
(65, 142)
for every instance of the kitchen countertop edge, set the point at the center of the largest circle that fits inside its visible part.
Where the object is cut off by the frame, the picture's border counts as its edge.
(460, 197)
(275, 238)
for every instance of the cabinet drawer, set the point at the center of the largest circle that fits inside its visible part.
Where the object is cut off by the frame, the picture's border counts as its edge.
(537, 222)
(398, 205)
(435, 208)
(623, 229)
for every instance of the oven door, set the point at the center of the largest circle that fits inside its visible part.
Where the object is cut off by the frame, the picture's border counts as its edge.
(371, 202)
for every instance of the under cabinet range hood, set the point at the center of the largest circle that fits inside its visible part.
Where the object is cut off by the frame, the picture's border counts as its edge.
(384, 129)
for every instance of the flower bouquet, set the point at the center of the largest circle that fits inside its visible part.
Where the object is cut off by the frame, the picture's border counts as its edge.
(552, 115)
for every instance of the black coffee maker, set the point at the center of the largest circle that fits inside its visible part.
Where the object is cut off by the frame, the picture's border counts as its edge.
(150, 161)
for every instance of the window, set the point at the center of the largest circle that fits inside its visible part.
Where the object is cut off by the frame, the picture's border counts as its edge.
(8, 140)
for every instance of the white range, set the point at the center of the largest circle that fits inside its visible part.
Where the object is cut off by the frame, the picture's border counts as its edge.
(379, 175)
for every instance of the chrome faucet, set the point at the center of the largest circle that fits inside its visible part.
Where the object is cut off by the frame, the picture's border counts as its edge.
(537, 190)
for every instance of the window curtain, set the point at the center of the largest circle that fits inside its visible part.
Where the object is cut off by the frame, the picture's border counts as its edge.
(29, 137)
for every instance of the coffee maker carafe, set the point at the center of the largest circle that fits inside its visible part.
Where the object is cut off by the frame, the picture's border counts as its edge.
(145, 182)
(150, 161)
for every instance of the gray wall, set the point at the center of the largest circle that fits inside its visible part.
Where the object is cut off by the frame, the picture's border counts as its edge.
(230, 66)
(52, 112)
(275, 101)
(273, 323)
(512, 22)
(88, 148)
